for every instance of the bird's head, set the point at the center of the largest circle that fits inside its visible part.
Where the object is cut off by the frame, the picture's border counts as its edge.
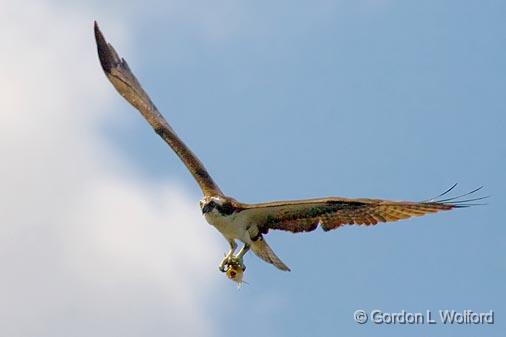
(210, 204)
(216, 204)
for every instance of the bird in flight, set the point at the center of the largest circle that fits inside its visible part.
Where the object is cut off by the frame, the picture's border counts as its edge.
(248, 223)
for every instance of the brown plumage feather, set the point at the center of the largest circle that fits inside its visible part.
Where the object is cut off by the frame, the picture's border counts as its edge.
(331, 213)
(264, 251)
(117, 71)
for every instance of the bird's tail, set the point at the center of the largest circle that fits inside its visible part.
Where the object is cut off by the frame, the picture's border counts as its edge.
(263, 251)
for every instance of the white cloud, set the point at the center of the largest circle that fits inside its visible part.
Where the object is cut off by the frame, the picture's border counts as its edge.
(86, 246)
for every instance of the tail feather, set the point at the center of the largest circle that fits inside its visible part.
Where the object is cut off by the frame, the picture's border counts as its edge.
(263, 251)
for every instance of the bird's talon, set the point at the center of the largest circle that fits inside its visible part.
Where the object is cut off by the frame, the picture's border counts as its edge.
(236, 262)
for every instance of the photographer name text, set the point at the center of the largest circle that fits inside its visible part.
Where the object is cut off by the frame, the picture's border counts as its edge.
(446, 316)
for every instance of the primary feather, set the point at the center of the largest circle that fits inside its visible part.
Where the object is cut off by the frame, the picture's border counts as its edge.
(330, 213)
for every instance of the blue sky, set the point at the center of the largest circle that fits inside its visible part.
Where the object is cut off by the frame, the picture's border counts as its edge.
(398, 100)
(388, 99)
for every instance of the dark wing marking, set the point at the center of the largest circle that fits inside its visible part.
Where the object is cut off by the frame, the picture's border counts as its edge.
(331, 213)
(117, 71)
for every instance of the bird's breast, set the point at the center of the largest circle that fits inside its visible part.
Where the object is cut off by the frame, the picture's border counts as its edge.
(230, 226)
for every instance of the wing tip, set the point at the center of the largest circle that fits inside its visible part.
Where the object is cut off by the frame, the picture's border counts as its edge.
(106, 54)
(457, 201)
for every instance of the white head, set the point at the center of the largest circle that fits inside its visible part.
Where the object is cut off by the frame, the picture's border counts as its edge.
(216, 204)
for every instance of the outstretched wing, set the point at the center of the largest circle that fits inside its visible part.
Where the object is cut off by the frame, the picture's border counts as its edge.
(331, 213)
(117, 71)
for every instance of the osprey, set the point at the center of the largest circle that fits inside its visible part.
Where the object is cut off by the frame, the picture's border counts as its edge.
(249, 223)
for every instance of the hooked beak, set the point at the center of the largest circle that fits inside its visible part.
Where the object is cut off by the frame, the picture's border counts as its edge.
(207, 208)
